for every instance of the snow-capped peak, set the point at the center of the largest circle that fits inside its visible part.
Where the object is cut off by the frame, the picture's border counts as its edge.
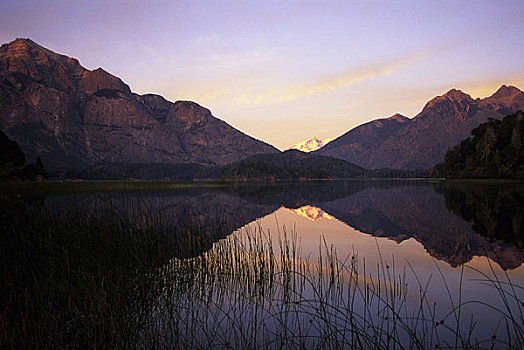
(310, 145)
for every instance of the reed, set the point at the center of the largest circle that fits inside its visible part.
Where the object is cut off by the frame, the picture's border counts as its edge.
(133, 279)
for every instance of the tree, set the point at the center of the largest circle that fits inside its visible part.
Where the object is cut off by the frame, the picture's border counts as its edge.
(496, 149)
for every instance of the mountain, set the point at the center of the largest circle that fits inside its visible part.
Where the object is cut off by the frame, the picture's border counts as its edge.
(354, 143)
(290, 165)
(311, 144)
(421, 142)
(75, 118)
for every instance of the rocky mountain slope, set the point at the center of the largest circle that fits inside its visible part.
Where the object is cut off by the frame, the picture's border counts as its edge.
(311, 144)
(75, 118)
(421, 142)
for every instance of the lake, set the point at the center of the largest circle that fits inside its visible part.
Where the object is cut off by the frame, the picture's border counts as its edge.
(399, 263)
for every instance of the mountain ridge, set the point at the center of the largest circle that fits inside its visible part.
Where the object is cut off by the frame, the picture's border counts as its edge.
(422, 141)
(76, 118)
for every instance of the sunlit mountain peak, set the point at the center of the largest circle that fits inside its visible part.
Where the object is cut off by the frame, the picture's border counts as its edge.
(311, 144)
(312, 213)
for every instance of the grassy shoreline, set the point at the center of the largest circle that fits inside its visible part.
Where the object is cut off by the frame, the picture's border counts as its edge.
(112, 186)
(102, 278)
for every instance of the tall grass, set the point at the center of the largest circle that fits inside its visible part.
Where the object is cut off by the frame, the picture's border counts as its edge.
(83, 278)
(111, 279)
(248, 293)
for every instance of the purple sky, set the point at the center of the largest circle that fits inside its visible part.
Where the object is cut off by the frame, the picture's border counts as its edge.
(282, 71)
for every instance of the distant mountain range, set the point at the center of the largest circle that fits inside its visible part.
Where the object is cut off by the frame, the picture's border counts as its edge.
(402, 143)
(90, 123)
(74, 118)
(311, 144)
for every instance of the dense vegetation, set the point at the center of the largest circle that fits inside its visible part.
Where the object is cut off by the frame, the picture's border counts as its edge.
(85, 278)
(256, 170)
(293, 165)
(495, 150)
(12, 162)
(401, 173)
(290, 165)
(73, 280)
(10, 152)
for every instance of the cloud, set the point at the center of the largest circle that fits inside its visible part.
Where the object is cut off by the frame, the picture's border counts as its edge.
(241, 93)
(347, 79)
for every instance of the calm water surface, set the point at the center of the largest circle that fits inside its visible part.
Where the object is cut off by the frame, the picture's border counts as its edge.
(428, 224)
(447, 237)
(444, 237)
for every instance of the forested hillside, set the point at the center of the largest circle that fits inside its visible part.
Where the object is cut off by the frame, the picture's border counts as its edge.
(495, 150)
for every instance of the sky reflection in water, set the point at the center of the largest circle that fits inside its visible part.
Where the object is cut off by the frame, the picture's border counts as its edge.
(428, 230)
(413, 228)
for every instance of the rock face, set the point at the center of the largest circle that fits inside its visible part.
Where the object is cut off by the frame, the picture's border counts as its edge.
(401, 143)
(76, 118)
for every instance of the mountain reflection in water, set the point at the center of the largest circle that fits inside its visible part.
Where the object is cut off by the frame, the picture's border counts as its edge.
(403, 212)
(454, 221)
(312, 213)
(198, 216)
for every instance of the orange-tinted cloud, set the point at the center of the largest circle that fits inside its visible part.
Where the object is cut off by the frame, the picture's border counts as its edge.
(346, 79)
(241, 93)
